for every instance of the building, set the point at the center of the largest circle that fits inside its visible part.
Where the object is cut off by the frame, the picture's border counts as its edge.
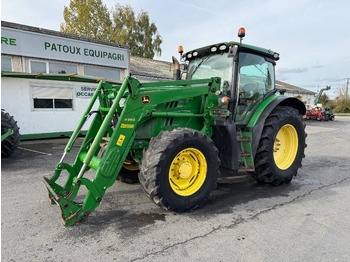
(52, 108)
(307, 96)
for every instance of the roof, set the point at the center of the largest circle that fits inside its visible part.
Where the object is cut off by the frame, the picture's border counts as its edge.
(59, 77)
(57, 33)
(291, 88)
(146, 67)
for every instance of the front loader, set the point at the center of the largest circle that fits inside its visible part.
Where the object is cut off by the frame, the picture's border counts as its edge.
(179, 134)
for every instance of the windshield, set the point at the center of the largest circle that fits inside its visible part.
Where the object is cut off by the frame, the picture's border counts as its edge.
(211, 66)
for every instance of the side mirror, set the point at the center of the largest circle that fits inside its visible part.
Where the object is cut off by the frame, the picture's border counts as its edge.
(232, 51)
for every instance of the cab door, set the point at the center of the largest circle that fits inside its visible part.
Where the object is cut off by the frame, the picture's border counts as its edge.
(255, 79)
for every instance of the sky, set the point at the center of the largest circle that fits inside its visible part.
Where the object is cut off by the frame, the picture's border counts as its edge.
(311, 36)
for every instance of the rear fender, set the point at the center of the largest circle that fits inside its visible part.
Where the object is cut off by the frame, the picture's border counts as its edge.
(256, 125)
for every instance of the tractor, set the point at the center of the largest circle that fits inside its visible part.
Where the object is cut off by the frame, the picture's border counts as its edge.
(318, 112)
(221, 112)
(9, 134)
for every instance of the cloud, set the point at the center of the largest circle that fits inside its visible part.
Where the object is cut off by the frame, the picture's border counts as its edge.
(298, 70)
(316, 66)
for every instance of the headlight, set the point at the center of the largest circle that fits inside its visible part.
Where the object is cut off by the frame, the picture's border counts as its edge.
(222, 47)
(213, 49)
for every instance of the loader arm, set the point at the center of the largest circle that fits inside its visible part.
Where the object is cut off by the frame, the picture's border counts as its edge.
(116, 125)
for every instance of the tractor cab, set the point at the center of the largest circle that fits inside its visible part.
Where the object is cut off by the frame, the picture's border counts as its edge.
(247, 74)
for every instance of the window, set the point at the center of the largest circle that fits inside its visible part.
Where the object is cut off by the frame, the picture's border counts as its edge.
(6, 63)
(256, 78)
(61, 68)
(104, 72)
(38, 67)
(211, 66)
(52, 97)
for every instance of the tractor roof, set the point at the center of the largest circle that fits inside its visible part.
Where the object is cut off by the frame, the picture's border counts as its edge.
(224, 46)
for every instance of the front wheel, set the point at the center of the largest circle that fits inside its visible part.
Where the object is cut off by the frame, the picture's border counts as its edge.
(281, 147)
(179, 169)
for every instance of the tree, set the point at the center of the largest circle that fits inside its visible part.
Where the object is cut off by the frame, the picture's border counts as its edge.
(138, 33)
(323, 99)
(341, 92)
(91, 18)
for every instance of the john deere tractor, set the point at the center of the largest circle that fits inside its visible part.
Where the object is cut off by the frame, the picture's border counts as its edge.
(9, 134)
(226, 114)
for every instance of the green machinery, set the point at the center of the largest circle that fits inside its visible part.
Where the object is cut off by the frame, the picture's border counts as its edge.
(9, 134)
(179, 134)
(326, 112)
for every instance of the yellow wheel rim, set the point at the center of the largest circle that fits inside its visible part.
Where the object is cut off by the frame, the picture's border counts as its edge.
(285, 147)
(187, 172)
(130, 165)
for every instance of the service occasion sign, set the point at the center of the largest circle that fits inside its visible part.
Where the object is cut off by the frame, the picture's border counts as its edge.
(31, 44)
(84, 91)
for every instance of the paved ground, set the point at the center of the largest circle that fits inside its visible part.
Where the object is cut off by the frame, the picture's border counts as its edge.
(307, 220)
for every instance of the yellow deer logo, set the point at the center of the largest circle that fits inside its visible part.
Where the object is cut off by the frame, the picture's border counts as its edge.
(145, 99)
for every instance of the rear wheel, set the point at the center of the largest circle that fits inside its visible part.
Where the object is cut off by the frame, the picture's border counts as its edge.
(10, 144)
(179, 169)
(281, 147)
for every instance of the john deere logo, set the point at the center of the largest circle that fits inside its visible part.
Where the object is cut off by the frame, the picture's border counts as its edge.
(145, 99)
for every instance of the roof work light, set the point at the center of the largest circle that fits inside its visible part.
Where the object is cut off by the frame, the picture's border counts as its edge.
(241, 34)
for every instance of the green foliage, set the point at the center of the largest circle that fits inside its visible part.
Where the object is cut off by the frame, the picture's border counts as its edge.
(88, 18)
(343, 107)
(137, 32)
(91, 18)
(323, 99)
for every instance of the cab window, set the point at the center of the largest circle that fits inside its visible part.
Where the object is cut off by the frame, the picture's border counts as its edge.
(256, 78)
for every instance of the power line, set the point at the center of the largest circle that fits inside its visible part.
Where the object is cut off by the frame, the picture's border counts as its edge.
(323, 82)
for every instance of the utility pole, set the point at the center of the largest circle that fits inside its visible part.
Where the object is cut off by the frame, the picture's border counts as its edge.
(346, 89)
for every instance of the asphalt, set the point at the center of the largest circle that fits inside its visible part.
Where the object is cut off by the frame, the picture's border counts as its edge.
(306, 220)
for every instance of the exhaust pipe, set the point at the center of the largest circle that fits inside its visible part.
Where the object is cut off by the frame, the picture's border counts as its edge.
(177, 71)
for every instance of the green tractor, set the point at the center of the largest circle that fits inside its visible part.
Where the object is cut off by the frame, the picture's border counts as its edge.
(226, 114)
(9, 134)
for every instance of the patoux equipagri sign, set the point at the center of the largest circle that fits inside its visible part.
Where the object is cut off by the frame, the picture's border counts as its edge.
(31, 44)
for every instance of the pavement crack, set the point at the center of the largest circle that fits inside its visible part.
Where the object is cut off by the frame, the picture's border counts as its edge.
(241, 220)
(177, 244)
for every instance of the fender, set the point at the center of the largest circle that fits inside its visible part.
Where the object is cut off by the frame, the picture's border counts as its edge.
(256, 123)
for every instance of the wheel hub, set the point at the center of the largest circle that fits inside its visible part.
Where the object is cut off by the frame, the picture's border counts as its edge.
(185, 170)
(285, 147)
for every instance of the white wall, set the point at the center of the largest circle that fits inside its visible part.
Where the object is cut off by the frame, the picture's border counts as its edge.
(309, 98)
(17, 100)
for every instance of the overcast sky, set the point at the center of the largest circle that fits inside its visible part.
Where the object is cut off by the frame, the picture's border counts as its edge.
(311, 36)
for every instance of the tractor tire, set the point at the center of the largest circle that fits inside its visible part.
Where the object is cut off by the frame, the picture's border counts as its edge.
(10, 144)
(332, 118)
(129, 172)
(281, 147)
(179, 169)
